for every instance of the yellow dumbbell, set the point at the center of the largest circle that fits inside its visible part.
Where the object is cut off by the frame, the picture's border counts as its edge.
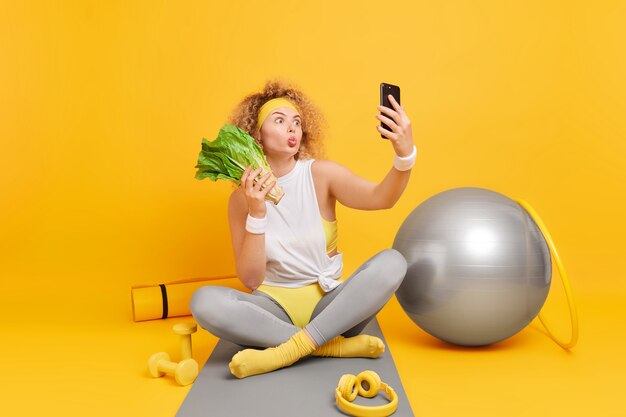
(185, 371)
(185, 330)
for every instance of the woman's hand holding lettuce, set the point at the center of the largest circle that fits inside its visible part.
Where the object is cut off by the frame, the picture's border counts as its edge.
(228, 156)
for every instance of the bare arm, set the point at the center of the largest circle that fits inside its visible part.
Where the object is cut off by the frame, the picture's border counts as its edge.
(249, 248)
(356, 192)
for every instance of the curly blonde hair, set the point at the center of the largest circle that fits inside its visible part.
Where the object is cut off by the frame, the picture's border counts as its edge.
(246, 113)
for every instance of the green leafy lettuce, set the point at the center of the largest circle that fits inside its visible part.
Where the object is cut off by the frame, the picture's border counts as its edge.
(227, 157)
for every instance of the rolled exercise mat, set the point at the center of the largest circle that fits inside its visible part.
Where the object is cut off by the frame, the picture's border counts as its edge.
(171, 299)
(304, 389)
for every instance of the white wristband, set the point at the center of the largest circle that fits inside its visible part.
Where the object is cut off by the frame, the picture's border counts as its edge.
(255, 225)
(404, 163)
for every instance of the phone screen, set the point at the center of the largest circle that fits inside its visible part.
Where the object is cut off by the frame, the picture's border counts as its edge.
(385, 90)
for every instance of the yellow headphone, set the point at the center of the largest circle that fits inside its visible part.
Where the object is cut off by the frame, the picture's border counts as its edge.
(366, 384)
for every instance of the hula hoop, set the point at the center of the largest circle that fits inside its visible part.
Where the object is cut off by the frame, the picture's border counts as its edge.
(564, 279)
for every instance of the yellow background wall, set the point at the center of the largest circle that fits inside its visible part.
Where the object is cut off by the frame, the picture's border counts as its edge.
(103, 106)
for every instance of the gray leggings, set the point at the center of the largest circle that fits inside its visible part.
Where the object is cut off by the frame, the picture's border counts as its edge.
(257, 320)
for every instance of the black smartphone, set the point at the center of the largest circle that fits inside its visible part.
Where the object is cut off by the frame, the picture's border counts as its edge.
(385, 90)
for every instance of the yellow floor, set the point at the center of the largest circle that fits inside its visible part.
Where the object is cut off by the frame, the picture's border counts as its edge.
(93, 363)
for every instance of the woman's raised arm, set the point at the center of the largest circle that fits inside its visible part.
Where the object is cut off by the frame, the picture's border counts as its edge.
(357, 192)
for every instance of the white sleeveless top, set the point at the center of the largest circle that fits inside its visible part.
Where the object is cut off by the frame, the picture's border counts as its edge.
(295, 243)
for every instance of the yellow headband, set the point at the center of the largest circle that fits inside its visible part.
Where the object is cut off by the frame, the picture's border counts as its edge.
(272, 105)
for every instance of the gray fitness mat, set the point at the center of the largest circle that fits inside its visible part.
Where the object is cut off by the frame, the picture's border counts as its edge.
(305, 389)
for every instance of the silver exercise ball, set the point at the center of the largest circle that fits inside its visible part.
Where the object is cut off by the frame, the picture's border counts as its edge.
(479, 268)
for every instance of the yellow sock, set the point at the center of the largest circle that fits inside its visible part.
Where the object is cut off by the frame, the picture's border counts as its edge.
(252, 361)
(361, 346)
